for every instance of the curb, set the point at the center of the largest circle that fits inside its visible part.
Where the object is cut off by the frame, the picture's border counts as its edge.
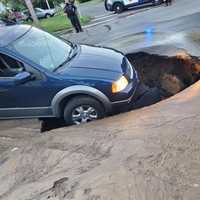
(66, 31)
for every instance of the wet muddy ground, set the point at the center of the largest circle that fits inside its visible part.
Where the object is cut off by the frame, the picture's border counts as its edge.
(169, 74)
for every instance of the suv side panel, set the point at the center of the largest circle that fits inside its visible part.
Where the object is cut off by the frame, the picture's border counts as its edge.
(75, 90)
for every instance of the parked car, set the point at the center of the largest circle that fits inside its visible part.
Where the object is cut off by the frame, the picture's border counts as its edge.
(120, 5)
(42, 76)
(17, 16)
(41, 13)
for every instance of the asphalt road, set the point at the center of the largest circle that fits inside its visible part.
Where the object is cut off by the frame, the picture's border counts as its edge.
(94, 8)
(141, 28)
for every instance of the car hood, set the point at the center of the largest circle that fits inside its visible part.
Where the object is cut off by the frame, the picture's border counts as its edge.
(96, 62)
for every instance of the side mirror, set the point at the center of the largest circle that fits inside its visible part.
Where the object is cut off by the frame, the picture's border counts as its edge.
(22, 78)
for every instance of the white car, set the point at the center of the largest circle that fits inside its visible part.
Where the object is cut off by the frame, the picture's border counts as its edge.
(41, 13)
(120, 5)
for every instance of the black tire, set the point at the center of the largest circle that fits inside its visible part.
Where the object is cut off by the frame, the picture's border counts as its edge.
(47, 15)
(86, 102)
(118, 7)
(106, 5)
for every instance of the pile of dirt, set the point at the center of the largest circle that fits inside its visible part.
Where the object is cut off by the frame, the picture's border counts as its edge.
(169, 74)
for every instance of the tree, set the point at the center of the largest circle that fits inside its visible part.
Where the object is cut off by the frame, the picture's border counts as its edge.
(48, 6)
(17, 4)
(32, 11)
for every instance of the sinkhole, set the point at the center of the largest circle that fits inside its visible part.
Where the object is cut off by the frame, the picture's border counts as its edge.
(170, 75)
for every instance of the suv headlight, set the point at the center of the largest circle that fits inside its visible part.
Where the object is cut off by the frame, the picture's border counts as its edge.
(119, 85)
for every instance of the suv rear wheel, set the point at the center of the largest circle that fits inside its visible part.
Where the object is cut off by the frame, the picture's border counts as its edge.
(118, 7)
(83, 109)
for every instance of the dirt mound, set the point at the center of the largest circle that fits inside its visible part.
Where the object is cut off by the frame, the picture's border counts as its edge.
(170, 74)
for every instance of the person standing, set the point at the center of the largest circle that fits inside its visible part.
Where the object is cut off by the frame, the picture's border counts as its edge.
(71, 11)
(168, 2)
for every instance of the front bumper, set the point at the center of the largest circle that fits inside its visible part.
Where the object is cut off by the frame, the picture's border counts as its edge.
(143, 96)
(124, 105)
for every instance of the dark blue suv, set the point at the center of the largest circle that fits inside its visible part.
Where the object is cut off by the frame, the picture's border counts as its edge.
(42, 76)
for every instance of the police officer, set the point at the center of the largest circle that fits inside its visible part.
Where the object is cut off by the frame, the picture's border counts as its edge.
(71, 11)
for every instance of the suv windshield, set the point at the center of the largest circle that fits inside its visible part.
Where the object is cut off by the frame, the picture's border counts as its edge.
(42, 48)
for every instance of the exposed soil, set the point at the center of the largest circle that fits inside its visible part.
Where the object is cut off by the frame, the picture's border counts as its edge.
(170, 74)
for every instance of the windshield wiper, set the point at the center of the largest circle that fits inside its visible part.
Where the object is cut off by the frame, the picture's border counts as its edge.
(71, 44)
(72, 53)
(66, 61)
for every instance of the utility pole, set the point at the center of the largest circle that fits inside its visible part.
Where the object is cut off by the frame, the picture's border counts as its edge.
(32, 11)
(48, 6)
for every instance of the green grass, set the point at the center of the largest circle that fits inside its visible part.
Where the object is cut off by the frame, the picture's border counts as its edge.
(60, 22)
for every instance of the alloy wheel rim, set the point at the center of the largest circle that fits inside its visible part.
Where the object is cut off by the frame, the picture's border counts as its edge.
(83, 114)
(118, 8)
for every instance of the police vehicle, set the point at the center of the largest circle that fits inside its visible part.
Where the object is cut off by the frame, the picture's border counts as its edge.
(120, 5)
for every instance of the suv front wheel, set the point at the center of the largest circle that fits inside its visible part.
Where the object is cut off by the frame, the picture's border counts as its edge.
(83, 109)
